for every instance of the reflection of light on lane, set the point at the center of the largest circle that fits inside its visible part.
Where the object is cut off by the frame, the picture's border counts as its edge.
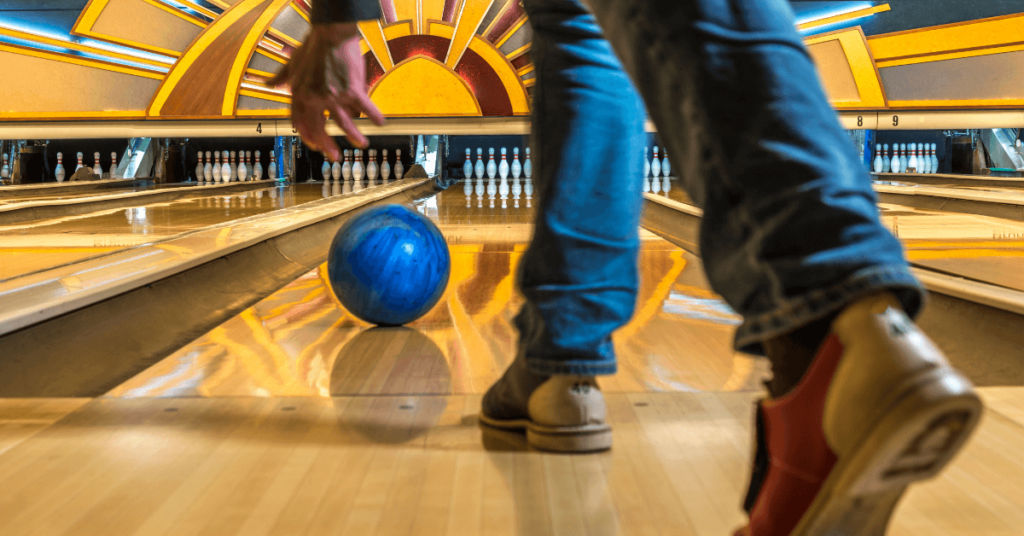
(185, 387)
(706, 309)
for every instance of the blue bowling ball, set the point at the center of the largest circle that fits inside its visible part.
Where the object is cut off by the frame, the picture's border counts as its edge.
(389, 265)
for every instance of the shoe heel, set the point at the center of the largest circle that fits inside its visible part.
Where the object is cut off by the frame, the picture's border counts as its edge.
(920, 434)
(578, 442)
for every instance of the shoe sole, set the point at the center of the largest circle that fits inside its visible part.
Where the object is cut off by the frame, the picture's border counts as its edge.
(572, 439)
(918, 436)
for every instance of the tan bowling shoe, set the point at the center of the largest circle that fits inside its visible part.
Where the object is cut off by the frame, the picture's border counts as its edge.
(559, 413)
(879, 409)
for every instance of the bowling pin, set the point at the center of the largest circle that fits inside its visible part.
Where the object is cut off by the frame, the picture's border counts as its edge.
(467, 188)
(371, 167)
(385, 167)
(479, 168)
(886, 161)
(467, 166)
(80, 166)
(912, 161)
(878, 158)
(517, 168)
(492, 168)
(257, 168)
(96, 168)
(58, 172)
(243, 172)
(5, 168)
(272, 170)
(656, 165)
(208, 168)
(336, 170)
(903, 158)
(503, 166)
(647, 170)
(225, 168)
(113, 166)
(666, 167)
(935, 159)
(399, 168)
(357, 166)
(924, 162)
(894, 166)
(346, 166)
(199, 168)
(528, 169)
(249, 169)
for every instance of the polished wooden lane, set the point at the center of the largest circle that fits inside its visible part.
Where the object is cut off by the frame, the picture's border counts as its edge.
(238, 432)
(982, 248)
(32, 246)
(420, 465)
(301, 342)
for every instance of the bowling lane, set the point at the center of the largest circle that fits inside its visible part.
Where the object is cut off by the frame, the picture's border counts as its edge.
(301, 342)
(976, 247)
(37, 196)
(38, 245)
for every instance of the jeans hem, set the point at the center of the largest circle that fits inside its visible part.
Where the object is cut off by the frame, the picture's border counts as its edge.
(820, 302)
(572, 368)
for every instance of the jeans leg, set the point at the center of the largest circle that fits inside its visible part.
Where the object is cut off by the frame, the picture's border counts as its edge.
(579, 275)
(791, 230)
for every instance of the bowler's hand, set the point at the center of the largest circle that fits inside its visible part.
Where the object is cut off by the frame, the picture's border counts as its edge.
(327, 73)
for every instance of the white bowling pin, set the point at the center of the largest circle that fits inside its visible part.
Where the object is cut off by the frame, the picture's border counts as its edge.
(325, 170)
(666, 166)
(878, 158)
(492, 168)
(346, 166)
(467, 166)
(503, 166)
(257, 168)
(925, 163)
(935, 159)
(199, 168)
(58, 172)
(357, 166)
(399, 168)
(385, 167)
(336, 170)
(886, 161)
(96, 168)
(80, 166)
(5, 168)
(479, 168)
(656, 165)
(249, 169)
(647, 168)
(517, 168)
(894, 166)
(113, 166)
(225, 167)
(912, 161)
(528, 170)
(903, 158)
(243, 171)
(208, 168)
(371, 167)
(272, 170)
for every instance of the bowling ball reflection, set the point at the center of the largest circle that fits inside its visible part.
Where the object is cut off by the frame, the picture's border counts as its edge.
(399, 379)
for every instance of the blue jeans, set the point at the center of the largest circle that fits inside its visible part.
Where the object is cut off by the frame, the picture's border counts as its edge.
(791, 231)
